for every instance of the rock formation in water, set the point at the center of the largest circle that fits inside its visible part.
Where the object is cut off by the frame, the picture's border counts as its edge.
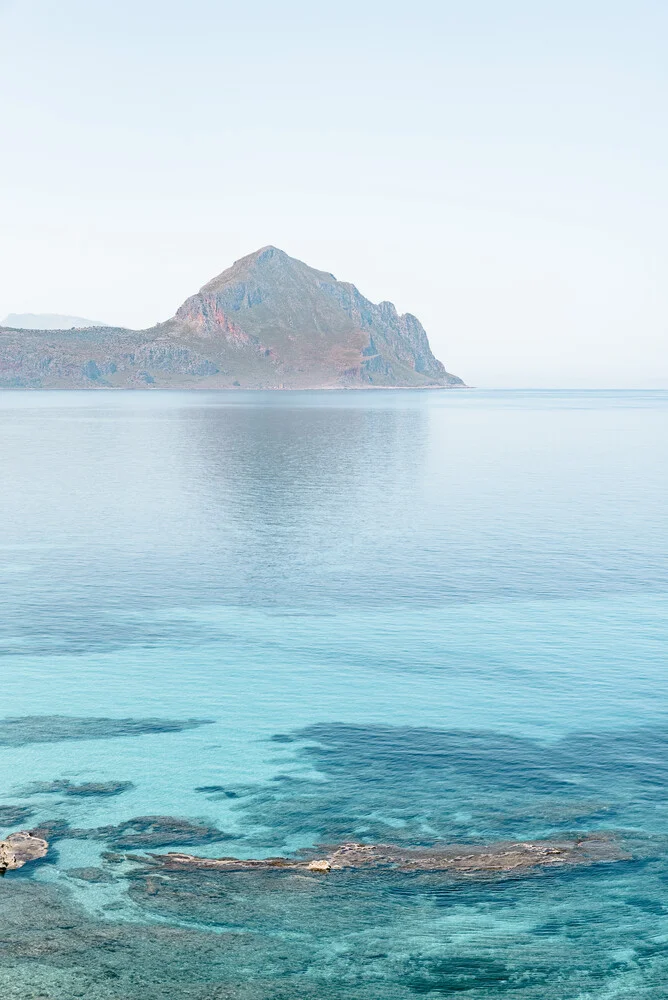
(269, 321)
(26, 729)
(63, 786)
(20, 848)
(13, 815)
(464, 859)
(138, 833)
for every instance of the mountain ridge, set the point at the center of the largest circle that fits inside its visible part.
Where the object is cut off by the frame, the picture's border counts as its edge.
(47, 321)
(268, 321)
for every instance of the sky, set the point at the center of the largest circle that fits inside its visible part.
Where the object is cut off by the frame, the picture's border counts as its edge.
(496, 167)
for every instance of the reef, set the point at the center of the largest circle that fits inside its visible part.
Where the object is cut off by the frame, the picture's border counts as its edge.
(414, 785)
(52, 829)
(20, 848)
(65, 787)
(53, 950)
(502, 857)
(153, 831)
(89, 874)
(138, 833)
(217, 791)
(356, 932)
(21, 731)
(13, 815)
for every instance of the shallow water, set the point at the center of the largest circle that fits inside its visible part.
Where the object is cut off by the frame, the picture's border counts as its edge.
(389, 616)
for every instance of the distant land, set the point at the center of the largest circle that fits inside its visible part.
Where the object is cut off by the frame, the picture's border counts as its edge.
(268, 322)
(47, 321)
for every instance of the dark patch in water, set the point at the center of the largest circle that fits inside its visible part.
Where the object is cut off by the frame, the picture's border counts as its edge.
(420, 785)
(90, 874)
(148, 832)
(656, 909)
(61, 629)
(56, 728)
(53, 950)
(14, 815)
(140, 832)
(293, 936)
(89, 788)
(446, 977)
(298, 938)
(52, 829)
(219, 790)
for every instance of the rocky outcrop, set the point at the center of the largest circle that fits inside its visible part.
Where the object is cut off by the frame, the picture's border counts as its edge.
(20, 848)
(463, 859)
(269, 321)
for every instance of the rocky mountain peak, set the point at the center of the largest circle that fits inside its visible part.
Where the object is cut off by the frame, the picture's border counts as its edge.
(268, 321)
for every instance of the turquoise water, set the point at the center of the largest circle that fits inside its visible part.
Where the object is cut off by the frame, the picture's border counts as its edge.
(399, 617)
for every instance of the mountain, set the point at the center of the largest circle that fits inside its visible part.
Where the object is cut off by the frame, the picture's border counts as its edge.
(47, 321)
(268, 322)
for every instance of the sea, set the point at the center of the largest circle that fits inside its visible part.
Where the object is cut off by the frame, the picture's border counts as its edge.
(251, 624)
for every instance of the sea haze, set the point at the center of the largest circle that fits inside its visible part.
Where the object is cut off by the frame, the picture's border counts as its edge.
(246, 623)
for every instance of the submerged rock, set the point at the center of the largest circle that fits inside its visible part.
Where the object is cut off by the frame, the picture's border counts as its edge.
(155, 831)
(501, 857)
(217, 791)
(52, 829)
(89, 874)
(23, 730)
(64, 786)
(53, 949)
(309, 937)
(20, 848)
(112, 857)
(13, 815)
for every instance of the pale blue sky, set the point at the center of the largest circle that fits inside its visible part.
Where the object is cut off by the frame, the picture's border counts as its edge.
(497, 168)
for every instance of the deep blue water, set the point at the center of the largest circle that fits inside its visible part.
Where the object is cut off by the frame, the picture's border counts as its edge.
(410, 617)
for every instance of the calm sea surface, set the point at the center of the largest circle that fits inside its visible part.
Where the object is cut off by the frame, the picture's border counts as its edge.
(268, 621)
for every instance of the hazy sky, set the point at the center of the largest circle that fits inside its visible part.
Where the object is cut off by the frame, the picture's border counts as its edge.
(497, 167)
